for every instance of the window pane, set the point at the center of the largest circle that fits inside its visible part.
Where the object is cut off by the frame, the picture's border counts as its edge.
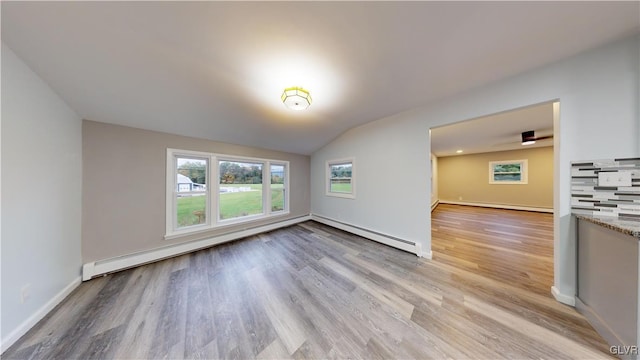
(191, 195)
(277, 188)
(240, 189)
(191, 209)
(340, 178)
(506, 168)
(507, 177)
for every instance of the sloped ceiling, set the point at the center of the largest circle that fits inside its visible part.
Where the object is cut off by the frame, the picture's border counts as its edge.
(216, 70)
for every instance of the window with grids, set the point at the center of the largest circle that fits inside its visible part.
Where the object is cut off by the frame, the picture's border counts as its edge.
(341, 178)
(243, 189)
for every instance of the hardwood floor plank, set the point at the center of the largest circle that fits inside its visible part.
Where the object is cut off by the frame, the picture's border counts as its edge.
(77, 337)
(275, 350)
(539, 333)
(103, 345)
(284, 321)
(127, 301)
(392, 300)
(231, 337)
(199, 329)
(506, 245)
(141, 327)
(412, 290)
(170, 328)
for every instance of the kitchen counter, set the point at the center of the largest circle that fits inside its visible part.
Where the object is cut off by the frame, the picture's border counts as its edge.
(607, 274)
(627, 226)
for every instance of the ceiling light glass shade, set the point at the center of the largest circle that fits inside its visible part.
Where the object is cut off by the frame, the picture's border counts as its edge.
(296, 98)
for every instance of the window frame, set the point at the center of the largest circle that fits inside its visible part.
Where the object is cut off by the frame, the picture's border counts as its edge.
(213, 220)
(524, 173)
(285, 187)
(172, 192)
(341, 194)
(240, 219)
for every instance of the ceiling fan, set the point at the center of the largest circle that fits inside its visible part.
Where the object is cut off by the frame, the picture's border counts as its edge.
(529, 137)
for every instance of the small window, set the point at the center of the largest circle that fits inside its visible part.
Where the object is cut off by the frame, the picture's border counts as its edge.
(508, 172)
(341, 178)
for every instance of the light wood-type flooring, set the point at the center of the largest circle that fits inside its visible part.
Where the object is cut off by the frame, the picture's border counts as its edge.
(511, 246)
(308, 291)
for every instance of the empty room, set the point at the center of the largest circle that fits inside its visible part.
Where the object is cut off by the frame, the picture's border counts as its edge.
(492, 195)
(281, 180)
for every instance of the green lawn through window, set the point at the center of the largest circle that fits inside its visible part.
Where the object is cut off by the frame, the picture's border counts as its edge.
(341, 187)
(232, 204)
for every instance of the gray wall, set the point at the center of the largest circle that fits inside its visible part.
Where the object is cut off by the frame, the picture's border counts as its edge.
(598, 94)
(41, 196)
(124, 179)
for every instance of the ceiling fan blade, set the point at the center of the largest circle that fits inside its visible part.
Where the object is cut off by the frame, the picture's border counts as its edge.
(544, 137)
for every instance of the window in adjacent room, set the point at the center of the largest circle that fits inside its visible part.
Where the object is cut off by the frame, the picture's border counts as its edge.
(341, 178)
(508, 172)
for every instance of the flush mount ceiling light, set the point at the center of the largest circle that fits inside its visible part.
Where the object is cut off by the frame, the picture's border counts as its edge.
(296, 98)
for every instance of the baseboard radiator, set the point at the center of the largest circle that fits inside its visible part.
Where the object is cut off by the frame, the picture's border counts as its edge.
(103, 267)
(402, 244)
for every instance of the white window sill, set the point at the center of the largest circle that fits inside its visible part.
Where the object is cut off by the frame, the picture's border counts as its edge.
(341, 195)
(194, 230)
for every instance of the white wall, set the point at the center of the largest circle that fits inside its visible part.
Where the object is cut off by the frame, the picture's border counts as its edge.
(41, 197)
(598, 94)
(392, 178)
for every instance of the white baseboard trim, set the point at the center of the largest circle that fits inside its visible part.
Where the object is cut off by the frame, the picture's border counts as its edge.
(427, 254)
(498, 206)
(434, 204)
(563, 298)
(406, 245)
(22, 329)
(106, 266)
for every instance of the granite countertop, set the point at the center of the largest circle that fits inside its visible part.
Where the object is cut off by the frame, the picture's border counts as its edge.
(628, 226)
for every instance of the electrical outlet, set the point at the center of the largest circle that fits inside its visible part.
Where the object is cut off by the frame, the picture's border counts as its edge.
(614, 178)
(25, 293)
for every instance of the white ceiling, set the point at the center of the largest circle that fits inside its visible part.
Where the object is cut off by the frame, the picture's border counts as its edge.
(216, 70)
(498, 132)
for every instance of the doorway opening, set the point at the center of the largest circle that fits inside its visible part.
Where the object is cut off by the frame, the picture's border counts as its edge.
(493, 196)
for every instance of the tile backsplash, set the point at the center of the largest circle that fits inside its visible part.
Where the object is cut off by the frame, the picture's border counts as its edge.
(591, 196)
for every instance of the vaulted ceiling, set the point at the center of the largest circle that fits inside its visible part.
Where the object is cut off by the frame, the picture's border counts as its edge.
(216, 70)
